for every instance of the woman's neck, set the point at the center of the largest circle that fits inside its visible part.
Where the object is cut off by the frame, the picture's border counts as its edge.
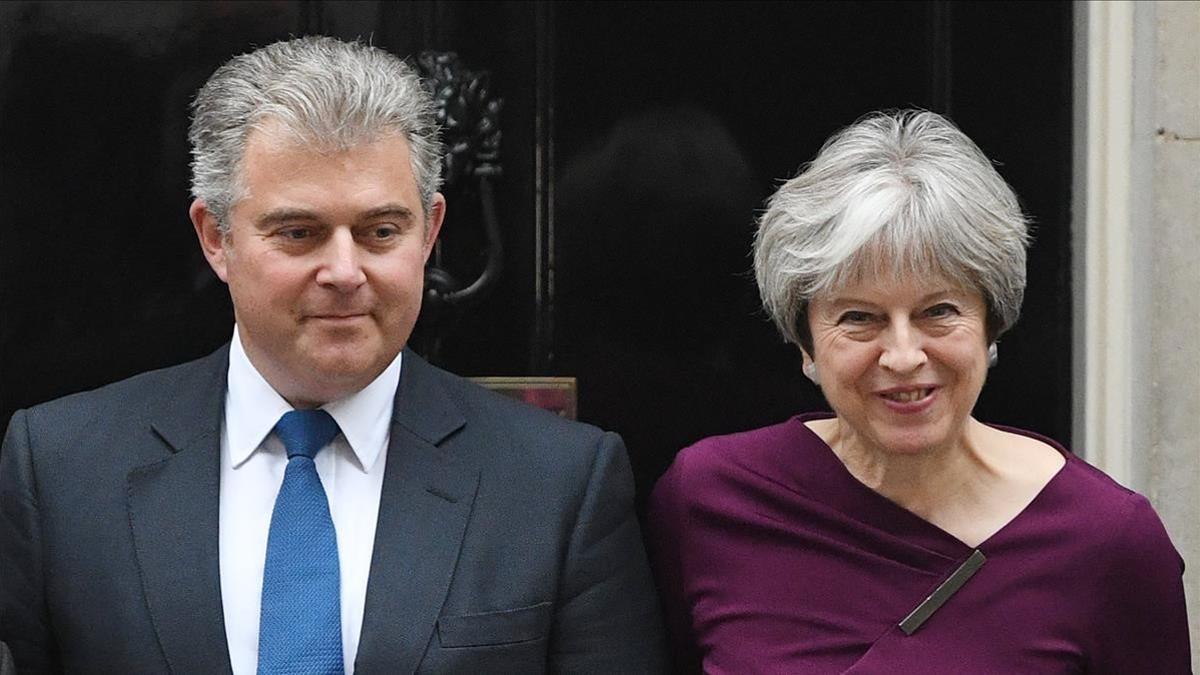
(970, 488)
(920, 482)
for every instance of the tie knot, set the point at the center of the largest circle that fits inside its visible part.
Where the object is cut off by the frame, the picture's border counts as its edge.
(304, 432)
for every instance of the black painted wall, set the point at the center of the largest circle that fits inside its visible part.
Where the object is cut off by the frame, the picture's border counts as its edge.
(640, 139)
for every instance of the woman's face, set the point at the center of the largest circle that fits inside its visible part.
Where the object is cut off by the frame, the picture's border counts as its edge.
(901, 359)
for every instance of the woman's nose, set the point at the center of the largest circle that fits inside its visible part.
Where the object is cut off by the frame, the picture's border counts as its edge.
(903, 349)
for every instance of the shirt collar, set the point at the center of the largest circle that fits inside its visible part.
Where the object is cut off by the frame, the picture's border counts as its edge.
(252, 407)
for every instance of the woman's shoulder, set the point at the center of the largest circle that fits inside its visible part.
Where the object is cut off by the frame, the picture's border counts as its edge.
(1114, 551)
(741, 449)
(1077, 477)
(1132, 569)
(1104, 499)
(1123, 524)
(1103, 513)
(1132, 535)
(716, 473)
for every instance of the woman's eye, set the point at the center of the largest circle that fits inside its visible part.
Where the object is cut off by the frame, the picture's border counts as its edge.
(941, 311)
(855, 317)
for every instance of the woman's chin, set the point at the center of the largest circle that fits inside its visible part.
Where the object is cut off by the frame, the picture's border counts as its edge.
(912, 441)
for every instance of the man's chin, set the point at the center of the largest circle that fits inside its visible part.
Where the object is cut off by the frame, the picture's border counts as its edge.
(318, 388)
(330, 379)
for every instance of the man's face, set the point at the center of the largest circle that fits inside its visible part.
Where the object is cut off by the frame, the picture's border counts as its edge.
(325, 260)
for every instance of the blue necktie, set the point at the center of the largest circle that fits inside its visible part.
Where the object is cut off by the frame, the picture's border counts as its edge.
(301, 627)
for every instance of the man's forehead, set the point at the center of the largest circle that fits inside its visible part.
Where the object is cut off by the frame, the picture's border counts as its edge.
(282, 177)
(274, 134)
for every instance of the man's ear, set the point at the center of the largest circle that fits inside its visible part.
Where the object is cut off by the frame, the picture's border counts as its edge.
(433, 222)
(213, 242)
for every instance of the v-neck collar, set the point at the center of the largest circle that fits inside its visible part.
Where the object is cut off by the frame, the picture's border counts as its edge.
(821, 468)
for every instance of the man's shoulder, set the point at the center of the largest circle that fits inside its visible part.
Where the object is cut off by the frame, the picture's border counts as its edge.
(482, 406)
(497, 430)
(133, 397)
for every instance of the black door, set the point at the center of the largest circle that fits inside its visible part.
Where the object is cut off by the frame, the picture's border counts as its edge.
(638, 142)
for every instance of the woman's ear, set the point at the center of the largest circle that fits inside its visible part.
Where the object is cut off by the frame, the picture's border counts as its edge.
(810, 368)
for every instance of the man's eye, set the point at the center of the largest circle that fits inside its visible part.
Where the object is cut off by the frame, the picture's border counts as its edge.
(385, 231)
(295, 233)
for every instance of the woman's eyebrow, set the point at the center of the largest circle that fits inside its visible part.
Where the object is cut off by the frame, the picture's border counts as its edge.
(842, 301)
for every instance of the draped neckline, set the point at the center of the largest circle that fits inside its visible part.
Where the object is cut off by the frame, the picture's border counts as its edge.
(820, 474)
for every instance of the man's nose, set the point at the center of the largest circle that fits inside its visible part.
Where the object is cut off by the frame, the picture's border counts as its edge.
(341, 263)
(903, 348)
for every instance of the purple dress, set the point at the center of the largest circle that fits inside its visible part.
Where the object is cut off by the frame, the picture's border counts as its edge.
(772, 558)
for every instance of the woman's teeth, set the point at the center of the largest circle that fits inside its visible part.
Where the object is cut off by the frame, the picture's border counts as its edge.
(908, 396)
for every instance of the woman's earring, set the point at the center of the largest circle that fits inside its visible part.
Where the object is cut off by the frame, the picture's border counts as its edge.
(810, 371)
(993, 355)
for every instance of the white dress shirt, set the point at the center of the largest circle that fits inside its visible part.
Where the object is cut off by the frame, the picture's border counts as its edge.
(253, 461)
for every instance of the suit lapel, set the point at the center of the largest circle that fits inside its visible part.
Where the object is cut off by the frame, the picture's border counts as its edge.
(174, 514)
(423, 512)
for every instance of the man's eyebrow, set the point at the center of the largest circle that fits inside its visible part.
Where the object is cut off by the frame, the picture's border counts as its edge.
(389, 211)
(280, 216)
(286, 215)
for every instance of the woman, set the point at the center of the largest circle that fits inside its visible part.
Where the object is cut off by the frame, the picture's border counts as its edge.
(899, 534)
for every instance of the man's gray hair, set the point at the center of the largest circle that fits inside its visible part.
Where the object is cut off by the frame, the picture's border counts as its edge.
(331, 95)
(902, 192)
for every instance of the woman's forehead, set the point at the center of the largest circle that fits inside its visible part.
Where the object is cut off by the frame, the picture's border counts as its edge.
(896, 286)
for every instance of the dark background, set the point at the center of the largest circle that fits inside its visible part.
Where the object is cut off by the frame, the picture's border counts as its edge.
(639, 142)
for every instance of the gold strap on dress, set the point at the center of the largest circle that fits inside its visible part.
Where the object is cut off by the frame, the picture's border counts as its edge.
(942, 593)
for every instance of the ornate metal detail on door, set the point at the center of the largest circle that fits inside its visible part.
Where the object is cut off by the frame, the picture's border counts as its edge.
(470, 118)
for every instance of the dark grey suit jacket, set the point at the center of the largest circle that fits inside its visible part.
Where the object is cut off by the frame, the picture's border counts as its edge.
(506, 540)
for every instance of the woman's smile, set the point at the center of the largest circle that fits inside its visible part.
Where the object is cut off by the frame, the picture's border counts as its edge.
(909, 400)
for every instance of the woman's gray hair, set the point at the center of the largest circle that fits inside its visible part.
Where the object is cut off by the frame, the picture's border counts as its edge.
(901, 192)
(331, 95)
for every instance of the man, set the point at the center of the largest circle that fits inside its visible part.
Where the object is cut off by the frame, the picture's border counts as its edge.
(313, 497)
